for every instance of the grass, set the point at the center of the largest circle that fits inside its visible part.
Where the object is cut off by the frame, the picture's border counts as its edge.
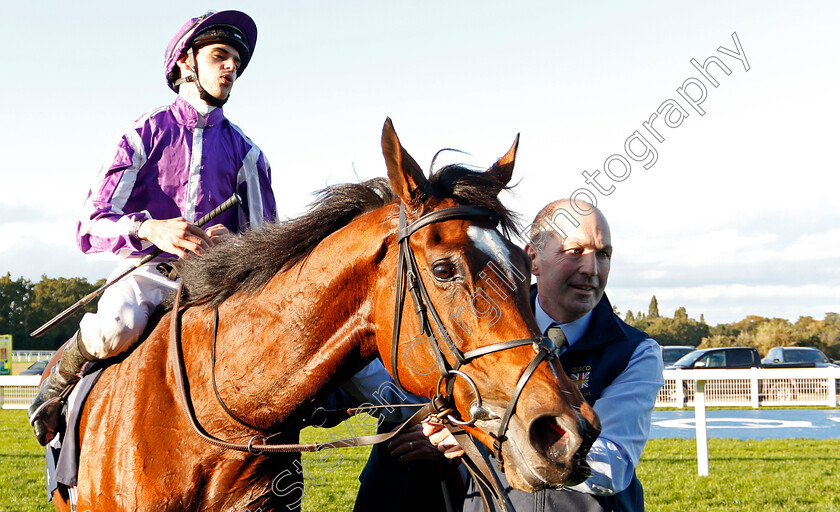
(22, 481)
(784, 475)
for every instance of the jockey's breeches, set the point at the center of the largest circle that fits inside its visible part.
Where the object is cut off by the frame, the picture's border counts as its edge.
(124, 309)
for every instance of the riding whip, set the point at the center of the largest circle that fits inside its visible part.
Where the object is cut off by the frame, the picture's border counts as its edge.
(231, 202)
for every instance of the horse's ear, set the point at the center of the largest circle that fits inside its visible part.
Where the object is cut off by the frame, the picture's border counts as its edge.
(502, 170)
(406, 177)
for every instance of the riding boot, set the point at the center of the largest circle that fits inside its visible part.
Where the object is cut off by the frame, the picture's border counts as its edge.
(45, 413)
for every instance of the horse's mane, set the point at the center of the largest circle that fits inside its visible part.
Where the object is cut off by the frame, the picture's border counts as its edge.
(248, 262)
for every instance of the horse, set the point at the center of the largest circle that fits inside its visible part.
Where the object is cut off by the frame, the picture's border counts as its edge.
(276, 319)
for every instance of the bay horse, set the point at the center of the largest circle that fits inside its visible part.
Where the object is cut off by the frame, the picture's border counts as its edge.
(306, 303)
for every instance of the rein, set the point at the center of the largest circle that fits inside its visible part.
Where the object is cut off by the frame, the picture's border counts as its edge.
(254, 446)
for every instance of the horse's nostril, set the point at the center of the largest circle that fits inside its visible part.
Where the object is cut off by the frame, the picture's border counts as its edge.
(555, 441)
(555, 426)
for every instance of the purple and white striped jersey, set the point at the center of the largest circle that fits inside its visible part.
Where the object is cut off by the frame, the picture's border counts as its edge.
(175, 162)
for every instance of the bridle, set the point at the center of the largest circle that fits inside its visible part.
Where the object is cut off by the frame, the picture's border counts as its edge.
(408, 272)
(442, 403)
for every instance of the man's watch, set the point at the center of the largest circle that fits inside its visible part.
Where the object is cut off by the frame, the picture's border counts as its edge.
(135, 229)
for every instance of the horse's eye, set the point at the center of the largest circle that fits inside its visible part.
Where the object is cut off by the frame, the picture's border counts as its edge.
(443, 271)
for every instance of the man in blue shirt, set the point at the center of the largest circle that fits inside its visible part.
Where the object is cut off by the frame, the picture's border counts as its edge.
(617, 368)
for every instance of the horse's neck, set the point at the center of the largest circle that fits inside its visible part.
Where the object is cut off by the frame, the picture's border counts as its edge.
(310, 326)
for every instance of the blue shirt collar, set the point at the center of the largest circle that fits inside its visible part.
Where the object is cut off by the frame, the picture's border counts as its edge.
(573, 330)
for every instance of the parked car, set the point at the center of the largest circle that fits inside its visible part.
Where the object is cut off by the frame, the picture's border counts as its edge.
(671, 353)
(36, 368)
(797, 357)
(718, 357)
(784, 390)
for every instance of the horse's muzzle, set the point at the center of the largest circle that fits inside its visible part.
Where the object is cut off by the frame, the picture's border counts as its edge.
(564, 441)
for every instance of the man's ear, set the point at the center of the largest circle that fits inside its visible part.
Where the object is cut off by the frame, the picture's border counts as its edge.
(535, 269)
(184, 64)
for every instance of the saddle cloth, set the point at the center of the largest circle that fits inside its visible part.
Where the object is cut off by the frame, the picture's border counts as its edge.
(63, 451)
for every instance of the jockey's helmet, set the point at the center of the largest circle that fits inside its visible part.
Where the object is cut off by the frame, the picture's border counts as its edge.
(229, 27)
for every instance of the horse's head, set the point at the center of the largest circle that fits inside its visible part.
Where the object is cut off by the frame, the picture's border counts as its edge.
(469, 286)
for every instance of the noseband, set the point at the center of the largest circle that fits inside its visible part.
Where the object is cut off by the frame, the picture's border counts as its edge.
(408, 275)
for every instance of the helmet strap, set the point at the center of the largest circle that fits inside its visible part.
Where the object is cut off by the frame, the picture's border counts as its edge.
(193, 77)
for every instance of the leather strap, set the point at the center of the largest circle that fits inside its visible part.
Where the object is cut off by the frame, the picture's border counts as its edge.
(213, 376)
(478, 465)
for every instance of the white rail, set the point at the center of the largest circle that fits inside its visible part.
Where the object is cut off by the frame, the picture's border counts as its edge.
(18, 391)
(30, 356)
(754, 387)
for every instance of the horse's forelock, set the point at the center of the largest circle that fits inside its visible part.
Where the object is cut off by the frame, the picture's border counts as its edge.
(474, 187)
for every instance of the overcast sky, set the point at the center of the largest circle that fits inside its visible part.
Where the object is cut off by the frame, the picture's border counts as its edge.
(737, 215)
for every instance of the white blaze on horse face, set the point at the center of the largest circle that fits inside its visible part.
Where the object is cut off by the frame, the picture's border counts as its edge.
(491, 243)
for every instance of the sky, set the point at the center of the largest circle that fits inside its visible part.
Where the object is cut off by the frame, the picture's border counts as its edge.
(737, 213)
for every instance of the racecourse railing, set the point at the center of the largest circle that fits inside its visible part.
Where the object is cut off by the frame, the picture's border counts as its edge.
(30, 356)
(753, 387)
(17, 392)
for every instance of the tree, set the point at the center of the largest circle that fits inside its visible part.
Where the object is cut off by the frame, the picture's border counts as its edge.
(653, 309)
(629, 318)
(14, 308)
(830, 335)
(718, 340)
(24, 307)
(749, 323)
(679, 330)
(777, 332)
(724, 330)
(807, 331)
(52, 296)
(640, 322)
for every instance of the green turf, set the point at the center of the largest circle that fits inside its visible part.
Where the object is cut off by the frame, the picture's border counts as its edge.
(787, 475)
(784, 475)
(22, 487)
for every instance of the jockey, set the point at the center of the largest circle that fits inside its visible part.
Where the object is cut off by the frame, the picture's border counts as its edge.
(170, 167)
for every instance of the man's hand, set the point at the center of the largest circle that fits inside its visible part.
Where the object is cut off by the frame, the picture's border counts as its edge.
(413, 445)
(177, 236)
(218, 233)
(444, 441)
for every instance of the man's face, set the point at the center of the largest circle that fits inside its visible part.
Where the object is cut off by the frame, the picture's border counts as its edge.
(218, 65)
(572, 273)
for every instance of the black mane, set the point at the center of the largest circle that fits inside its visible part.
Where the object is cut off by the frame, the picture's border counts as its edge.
(248, 262)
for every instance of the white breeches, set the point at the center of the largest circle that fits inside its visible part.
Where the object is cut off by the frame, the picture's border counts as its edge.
(124, 309)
